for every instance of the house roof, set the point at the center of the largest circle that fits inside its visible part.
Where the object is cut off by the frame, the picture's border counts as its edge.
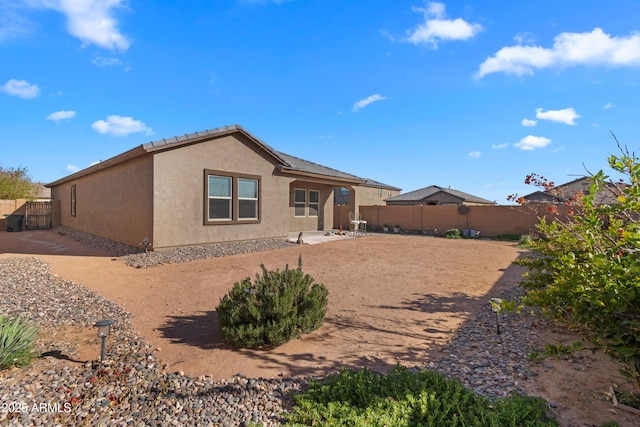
(285, 163)
(426, 192)
(377, 184)
(296, 164)
(565, 192)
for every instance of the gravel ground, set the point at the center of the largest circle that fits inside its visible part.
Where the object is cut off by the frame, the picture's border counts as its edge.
(131, 388)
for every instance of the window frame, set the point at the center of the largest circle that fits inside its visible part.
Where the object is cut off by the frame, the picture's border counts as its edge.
(297, 204)
(310, 203)
(256, 199)
(235, 199)
(74, 200)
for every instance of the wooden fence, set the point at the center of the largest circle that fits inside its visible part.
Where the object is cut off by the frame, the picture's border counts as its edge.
(488, 221)
(37, 214)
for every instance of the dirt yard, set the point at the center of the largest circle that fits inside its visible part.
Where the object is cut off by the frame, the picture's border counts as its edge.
(392, 299)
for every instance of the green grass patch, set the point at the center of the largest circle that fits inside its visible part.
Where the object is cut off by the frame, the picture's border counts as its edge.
(405, 398)
(508, 237)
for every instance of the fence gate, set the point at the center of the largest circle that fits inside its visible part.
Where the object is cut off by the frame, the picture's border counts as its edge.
(38, 216)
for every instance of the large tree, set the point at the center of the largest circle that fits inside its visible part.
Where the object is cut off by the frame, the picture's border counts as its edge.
(15, 183)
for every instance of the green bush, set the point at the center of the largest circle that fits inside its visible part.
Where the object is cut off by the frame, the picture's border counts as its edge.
(17, 342)
(405, 398)
(276, 308)
(585, 271)
(525, 241)
(453, 233)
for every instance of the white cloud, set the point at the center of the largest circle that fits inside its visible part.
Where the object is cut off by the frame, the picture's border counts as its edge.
(567, 116)
(529, 123)
(12, 22)
(101, 61)
(474, 154)
(524, 38)
(569, 49)
(530, 142)
(72, 168)
(61, 115)
(500, 146)
(367, 101)
(120, 126)
(20, 88)
(91, 21)
(436, 28)
(608, 106)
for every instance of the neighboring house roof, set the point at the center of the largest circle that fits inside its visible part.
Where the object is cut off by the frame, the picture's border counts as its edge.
(43, 191)
(567, 191)
(376, 184)
(285, 163)
(426, 192)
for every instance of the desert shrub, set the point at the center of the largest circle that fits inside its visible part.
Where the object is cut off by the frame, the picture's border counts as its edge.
(525, 241)
(404, 398)
(276, 308)
(584, 273)
(452, 233)
(17, 342)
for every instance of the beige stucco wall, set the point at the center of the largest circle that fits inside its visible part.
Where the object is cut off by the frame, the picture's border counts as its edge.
(115, 203)
(369, 195)
(324, 220)
(179, 183)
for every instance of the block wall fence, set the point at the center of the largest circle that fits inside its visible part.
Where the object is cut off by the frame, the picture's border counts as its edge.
(488, 220)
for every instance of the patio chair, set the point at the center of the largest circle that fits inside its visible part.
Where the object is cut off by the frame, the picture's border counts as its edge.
(354, 224)
(362, 223)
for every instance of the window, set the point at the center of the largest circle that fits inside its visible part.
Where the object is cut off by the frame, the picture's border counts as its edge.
(247, 198)
(299, 202)
(344, 191)
(314, 202)
(389, 193)
(73, 200)
(306, 203)
(379, 192)
(231, 198)
(219, 198)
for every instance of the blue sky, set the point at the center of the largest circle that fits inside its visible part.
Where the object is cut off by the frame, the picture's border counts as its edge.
(468, 94)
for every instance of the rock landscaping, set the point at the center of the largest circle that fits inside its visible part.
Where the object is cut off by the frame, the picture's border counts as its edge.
(132, 388)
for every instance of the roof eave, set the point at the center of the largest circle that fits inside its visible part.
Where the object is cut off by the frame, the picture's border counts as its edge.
(127, 155)
(334, 180)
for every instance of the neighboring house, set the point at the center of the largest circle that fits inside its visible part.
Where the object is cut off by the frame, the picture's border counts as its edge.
(435, 195)
(44, 193)
(371, 193)
(566, 192)
(213, 186)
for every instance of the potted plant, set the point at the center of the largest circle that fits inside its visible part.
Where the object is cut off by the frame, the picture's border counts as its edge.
(385, 228)
(396, 228)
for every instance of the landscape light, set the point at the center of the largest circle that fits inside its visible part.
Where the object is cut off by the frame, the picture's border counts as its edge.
(104, 329)
(496, 306)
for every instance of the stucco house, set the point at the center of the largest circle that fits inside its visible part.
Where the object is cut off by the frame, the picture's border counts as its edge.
(563, 193)
(371, 193)
(435, 195)
(218, 185)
